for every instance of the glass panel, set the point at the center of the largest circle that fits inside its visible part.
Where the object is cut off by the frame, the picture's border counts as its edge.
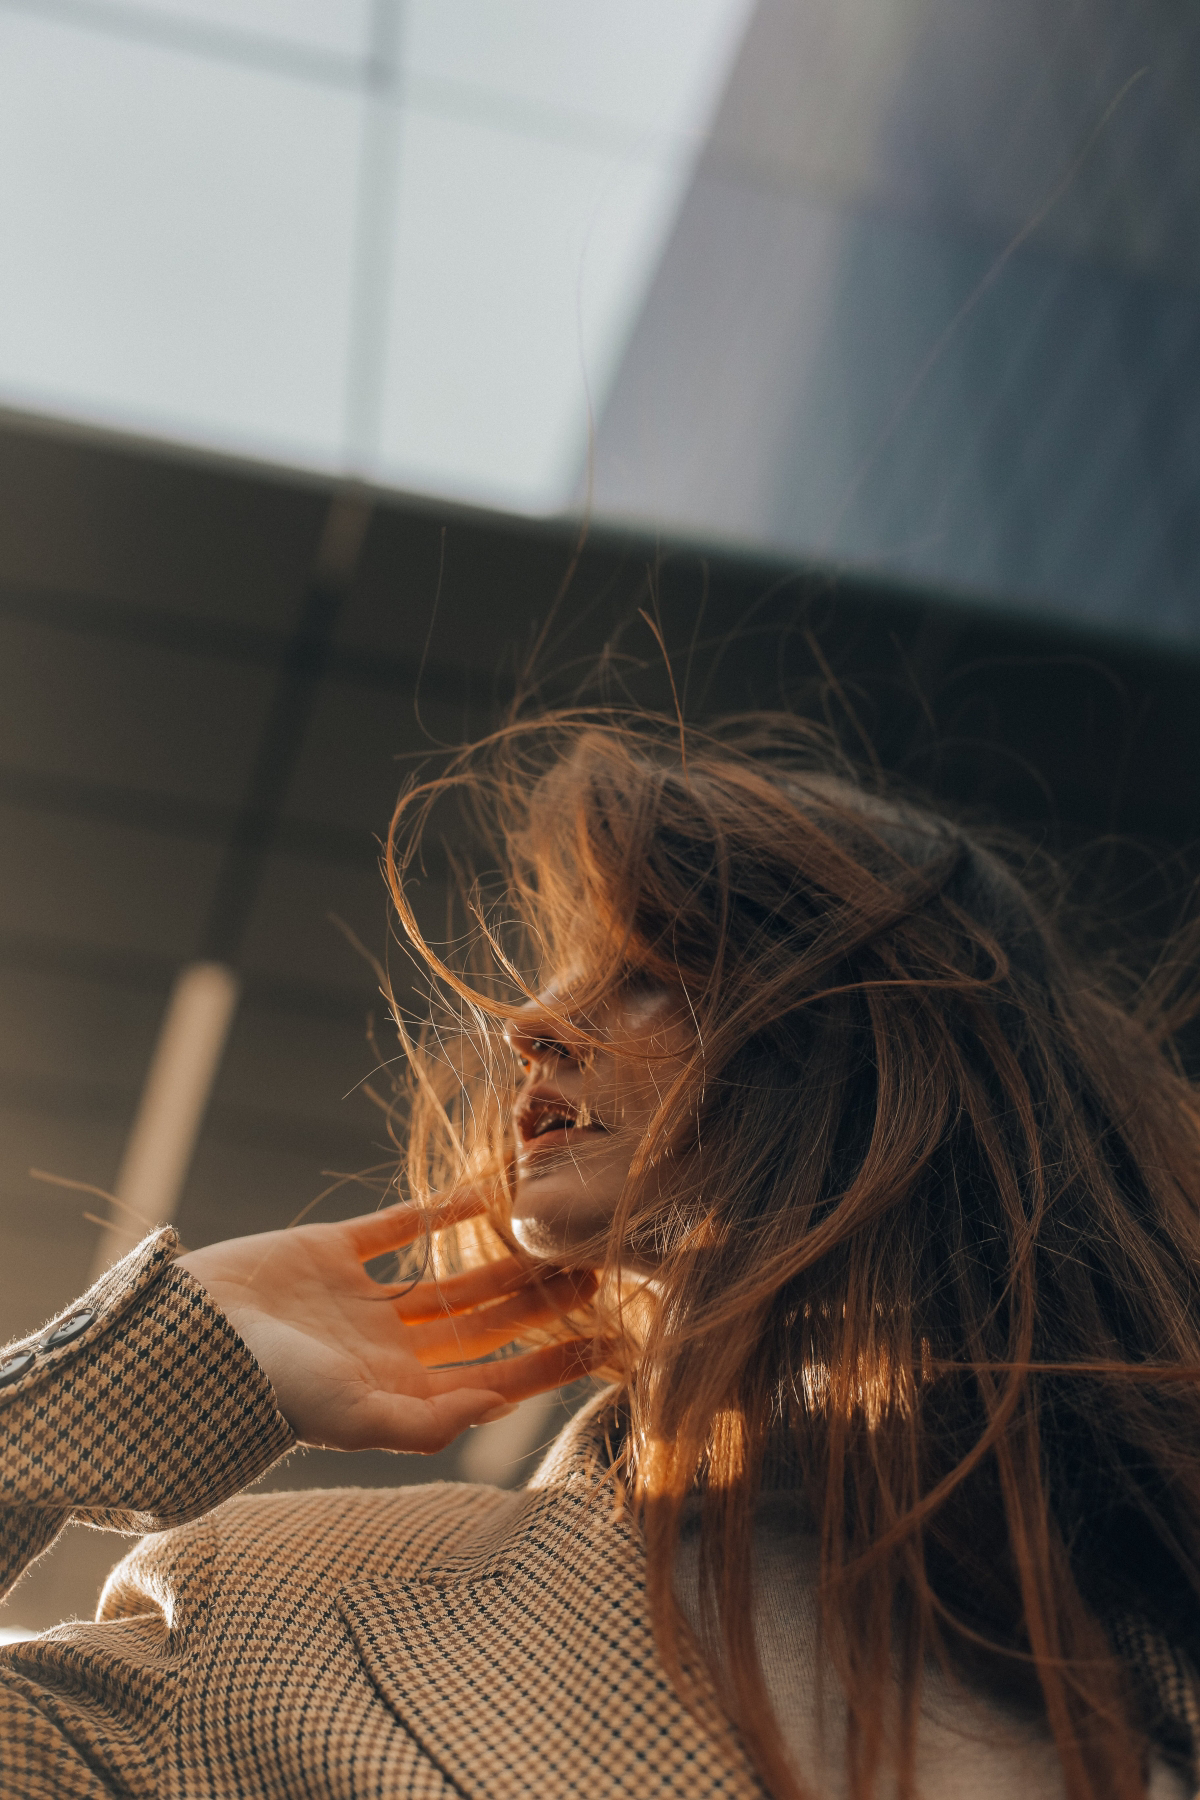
(653, 68)
(338, 27)
(932, 306)
(177, 242)
(518, 266)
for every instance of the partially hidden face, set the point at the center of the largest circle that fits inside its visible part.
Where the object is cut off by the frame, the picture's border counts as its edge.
(589, 1092)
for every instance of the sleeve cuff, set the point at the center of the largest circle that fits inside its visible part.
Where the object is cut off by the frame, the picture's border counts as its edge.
(140, 1407)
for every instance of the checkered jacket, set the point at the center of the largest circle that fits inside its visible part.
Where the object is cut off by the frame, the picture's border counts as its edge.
(434, 1641)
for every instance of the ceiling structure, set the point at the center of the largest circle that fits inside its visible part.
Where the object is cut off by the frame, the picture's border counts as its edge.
(399, 239)
(907, 284)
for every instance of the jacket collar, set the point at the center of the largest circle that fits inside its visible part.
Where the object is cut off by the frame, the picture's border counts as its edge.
(521, 1657)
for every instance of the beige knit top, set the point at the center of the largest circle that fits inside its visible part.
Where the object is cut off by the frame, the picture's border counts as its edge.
(969, 1744)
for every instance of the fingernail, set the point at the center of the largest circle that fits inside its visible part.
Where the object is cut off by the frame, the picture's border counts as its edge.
(497, 1412)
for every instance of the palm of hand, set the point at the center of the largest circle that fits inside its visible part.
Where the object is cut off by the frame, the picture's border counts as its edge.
(355, 1365)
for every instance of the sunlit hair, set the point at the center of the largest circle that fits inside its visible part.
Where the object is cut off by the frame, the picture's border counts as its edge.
(923, 1212)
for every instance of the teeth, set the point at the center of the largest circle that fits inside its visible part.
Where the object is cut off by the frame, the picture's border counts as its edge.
(553, 1118)
(551, 1122)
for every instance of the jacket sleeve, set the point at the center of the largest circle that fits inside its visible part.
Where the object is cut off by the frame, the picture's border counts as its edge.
(138, 1409)
(135, 1410)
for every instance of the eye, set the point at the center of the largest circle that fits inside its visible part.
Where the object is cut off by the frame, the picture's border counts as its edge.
(542, 1050)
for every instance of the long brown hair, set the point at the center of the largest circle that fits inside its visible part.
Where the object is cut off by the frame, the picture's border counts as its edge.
(924, 1210)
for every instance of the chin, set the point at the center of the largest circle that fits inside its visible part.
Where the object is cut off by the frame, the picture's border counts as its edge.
(559, 1235)
(541, 1237)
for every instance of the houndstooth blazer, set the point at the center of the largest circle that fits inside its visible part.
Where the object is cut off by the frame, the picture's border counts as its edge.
(435, 1641)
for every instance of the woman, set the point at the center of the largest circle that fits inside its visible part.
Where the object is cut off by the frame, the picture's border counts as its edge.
(888, 1212)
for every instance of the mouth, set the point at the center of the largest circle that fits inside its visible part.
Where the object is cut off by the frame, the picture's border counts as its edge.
(545, 1126)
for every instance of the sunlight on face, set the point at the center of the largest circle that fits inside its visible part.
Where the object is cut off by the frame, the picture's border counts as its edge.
(582, 1113)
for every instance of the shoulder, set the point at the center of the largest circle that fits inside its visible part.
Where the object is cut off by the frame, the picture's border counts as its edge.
(261, 1545)
(507, 1634)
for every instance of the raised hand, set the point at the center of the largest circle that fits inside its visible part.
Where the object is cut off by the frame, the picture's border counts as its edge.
(358, 1366)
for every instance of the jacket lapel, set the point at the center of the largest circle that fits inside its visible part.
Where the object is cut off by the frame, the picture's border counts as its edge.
(531, 1669)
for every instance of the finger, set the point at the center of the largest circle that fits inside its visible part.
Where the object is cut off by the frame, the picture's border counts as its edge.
(392, 1227)
(535, 1372)
(457, 1293)
(472, 1334)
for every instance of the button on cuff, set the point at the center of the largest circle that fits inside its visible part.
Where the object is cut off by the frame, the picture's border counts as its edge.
(70, 1328)
(15, 1367)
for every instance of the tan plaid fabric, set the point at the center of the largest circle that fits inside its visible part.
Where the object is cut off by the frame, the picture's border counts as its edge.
(1167, 1688)
(432, 1641)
